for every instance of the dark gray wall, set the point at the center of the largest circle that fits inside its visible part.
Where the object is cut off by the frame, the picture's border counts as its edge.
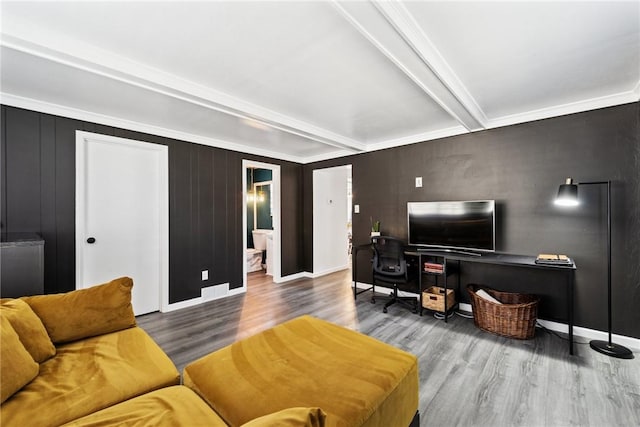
(37, 194)
(521, 167)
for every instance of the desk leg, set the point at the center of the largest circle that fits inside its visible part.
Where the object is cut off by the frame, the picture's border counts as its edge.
(354, 270)
(420, 281)
(444, 279)
(570, 309)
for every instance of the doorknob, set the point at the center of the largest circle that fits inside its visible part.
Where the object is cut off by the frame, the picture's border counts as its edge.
(91, 240)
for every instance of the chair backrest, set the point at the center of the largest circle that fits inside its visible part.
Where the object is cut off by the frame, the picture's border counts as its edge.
(388, 256)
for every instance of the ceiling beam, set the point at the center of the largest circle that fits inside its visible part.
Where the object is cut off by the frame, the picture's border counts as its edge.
(393, 31)
(77, 54)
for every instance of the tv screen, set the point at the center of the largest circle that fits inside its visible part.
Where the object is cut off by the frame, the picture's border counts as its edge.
(463, 225)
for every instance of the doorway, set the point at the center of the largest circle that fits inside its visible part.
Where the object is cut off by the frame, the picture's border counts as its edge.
(331, 219)
(261, 218)
(122, 220)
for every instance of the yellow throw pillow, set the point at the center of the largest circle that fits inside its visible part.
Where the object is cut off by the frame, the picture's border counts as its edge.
(29, 328)
(86, 312)
(291, 417)
(17, 367)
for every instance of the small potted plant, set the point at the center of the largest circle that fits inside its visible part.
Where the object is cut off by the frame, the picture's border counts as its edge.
(375, 227)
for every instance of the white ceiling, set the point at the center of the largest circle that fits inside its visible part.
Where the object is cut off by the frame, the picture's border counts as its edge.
(306, 81)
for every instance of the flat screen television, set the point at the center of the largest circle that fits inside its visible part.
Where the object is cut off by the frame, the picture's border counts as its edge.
(459, 225)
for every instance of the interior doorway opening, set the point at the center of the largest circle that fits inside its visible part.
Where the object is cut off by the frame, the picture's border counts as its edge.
(331, 219)
(261, 220)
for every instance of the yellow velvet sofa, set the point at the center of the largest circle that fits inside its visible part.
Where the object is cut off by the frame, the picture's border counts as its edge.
(78, 359)
(81, 352)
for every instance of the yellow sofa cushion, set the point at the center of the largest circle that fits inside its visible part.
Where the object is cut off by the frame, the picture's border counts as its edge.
(17, 367)
(29, 328)
(86, 312)
(167, 407)
(291, 417)
(307, 362)
(88, 375)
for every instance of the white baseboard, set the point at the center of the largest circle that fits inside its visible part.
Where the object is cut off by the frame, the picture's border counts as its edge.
(578, 331)
(182, 304)
(237, 291)
(329, 271)
(301, 275)
(209, 293)
(591, 334)
(309, 275)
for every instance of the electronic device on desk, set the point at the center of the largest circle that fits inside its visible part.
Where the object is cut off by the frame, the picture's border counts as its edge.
(461, 226)
(553, 259)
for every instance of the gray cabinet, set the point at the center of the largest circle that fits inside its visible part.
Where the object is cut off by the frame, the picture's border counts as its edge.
(21, 265)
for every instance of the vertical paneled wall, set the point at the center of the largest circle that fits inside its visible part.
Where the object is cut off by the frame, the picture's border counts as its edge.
(205, 201)
(521, 167)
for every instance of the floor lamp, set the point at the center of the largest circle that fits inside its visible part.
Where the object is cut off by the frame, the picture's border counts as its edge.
(568, 196)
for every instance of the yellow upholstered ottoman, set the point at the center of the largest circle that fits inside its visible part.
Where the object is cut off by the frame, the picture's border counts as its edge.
(307, 362)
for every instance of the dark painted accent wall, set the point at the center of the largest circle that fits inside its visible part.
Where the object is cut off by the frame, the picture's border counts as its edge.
(37, 194)
(521, 167)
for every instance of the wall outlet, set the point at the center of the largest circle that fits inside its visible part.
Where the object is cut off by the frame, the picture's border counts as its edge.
(356, 208)
(205, 275)
(418, 181)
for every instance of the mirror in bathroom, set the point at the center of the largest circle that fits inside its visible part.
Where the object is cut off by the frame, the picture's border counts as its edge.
(263, 205)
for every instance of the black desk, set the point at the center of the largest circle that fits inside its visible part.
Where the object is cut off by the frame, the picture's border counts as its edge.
(520, 261)
(354, 267)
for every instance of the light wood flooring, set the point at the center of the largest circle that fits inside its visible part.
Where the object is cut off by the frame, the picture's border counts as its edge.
(467, 377)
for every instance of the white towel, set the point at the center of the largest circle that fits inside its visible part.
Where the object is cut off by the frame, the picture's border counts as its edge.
(482, 294)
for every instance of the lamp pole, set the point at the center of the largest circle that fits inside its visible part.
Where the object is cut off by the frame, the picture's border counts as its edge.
(608, 347)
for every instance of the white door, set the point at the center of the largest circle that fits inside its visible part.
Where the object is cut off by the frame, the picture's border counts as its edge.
(122, 216)
(330, 220)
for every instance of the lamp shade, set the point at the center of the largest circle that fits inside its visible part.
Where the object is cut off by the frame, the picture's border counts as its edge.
(567, 194)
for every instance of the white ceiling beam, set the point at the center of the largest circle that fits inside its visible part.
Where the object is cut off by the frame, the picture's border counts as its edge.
(102, 119)
(79, 55)
(393, 31)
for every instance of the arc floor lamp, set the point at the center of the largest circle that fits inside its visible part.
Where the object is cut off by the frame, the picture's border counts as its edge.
(568, 196)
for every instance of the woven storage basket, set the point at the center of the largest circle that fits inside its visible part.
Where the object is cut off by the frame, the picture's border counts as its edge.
(433, 299)
(514, 318)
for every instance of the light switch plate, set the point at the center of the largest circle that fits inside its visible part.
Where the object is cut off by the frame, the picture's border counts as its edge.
(356, 208)
(418, 181)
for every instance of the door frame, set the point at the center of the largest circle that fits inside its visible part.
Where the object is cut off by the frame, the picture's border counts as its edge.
(275, 194)
(317, 230)
(82, 138)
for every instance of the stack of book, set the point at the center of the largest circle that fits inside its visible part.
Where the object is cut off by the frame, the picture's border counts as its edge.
(553, 259)
(432, 267)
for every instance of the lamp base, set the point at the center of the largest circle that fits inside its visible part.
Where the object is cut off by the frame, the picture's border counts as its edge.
(613, 350)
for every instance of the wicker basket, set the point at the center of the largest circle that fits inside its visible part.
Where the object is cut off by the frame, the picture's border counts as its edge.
(433, 299)
(514, 318)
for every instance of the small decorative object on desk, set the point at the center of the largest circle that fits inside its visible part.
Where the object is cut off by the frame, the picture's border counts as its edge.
(553, 259)
(375, 227)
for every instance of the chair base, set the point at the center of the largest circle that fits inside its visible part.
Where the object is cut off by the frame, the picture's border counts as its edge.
(409, 302)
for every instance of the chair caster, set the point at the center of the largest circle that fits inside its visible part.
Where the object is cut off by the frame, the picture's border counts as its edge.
(384, 310)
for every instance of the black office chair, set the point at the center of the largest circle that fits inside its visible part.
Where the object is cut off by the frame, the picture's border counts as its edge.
(390, 266)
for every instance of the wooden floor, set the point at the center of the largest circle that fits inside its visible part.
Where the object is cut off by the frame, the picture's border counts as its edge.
(467, 377)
